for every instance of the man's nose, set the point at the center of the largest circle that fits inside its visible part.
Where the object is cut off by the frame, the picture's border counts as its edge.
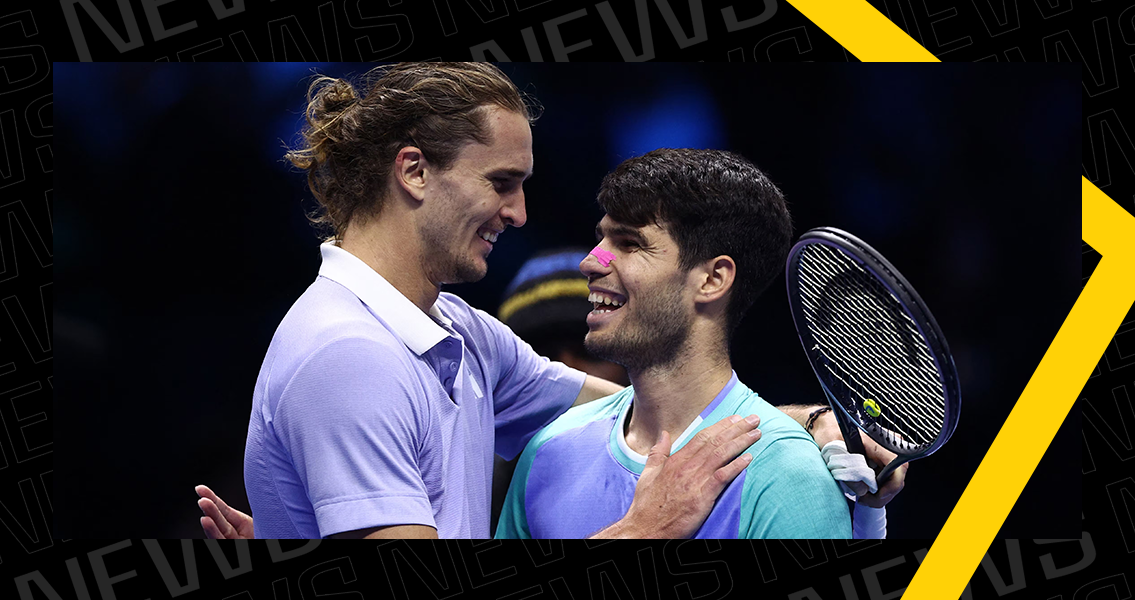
(590, 265)
(513, 212)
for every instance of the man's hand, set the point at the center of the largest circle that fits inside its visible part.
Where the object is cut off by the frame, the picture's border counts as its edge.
(221, 522)
(675, 493)
(877, 458)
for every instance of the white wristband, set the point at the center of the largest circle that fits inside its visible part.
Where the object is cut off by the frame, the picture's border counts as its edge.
(869, 523)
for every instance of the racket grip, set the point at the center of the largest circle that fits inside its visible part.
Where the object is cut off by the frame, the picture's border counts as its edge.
(886, 472)
(854, 443)
(850, 435)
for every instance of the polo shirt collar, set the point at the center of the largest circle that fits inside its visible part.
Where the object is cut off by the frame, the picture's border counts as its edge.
(417, 330)
(629, 458)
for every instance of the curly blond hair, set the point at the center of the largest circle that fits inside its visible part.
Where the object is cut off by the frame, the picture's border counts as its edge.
(350, 141)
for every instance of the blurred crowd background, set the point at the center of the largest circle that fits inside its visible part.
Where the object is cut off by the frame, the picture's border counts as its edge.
(183, 241)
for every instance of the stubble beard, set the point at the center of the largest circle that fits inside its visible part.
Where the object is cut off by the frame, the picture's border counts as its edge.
(651, 338)
(450, 262)
(447, 258)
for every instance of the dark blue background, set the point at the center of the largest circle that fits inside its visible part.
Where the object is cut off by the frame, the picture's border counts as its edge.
(183, 242)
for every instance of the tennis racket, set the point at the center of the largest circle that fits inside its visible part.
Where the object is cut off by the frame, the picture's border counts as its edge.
(876, 349)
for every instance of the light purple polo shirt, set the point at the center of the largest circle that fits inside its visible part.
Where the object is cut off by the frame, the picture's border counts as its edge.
(368, 412)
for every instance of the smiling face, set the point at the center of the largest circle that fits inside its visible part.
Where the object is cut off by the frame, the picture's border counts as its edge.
(643, 299)
(476, 198)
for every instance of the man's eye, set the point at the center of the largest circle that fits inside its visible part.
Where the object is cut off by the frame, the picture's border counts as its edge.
(503, 184)
(629, 244)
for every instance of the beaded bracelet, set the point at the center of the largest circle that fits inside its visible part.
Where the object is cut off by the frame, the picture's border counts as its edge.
(814, 415)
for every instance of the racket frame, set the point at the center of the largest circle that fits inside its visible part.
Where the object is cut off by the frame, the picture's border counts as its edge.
(874, 262)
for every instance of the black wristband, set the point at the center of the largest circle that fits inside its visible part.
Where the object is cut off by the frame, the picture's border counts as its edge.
(814, 415)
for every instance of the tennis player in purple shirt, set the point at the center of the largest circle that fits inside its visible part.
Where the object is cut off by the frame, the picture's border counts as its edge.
(381, 401)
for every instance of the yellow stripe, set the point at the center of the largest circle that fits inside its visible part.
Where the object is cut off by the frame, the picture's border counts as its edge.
(1107, 227)
(556, 288)
(1041, 409)
(864, 31)
(1062, 372)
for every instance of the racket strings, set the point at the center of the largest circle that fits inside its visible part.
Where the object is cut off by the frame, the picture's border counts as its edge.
(883, 383)
(872, 347)
(881, 387)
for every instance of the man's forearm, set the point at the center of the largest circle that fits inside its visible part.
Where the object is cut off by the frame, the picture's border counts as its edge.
(823, 430)
(620, 530)
(610, 532)
(799, 412)
(595, 388)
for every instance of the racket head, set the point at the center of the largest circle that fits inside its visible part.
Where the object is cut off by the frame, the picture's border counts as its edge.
(875, 347)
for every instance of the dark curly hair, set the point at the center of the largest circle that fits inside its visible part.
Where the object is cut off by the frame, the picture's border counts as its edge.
(350, 142)
(712, 203)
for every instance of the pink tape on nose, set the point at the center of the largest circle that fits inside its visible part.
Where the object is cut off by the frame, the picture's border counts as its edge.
(602, 256)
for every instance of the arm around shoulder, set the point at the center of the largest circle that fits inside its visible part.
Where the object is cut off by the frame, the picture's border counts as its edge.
(595, 388)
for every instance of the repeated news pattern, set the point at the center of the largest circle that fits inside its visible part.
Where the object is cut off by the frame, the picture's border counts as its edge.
(1100, 35)
(559, 570)
(26, 288)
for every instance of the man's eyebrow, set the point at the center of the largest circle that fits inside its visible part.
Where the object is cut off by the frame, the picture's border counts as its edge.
(509, 172)
(624, 231)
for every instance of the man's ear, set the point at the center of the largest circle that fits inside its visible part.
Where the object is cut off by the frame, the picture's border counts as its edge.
(716, 278)
(410, 168)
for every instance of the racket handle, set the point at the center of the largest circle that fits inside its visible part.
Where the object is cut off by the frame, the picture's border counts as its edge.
(886, 472)
(854, 443)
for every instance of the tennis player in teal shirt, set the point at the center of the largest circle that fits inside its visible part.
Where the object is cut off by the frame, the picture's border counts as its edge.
(690, 239)
(578, 475)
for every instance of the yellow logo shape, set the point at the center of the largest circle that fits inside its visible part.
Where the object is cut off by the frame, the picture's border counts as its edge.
(872, 407)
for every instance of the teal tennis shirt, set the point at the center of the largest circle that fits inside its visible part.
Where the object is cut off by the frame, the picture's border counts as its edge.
(578, 475)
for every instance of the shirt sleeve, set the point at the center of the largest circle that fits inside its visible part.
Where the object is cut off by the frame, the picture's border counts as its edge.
(789, 493)
(530, 390)
(352, 419)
